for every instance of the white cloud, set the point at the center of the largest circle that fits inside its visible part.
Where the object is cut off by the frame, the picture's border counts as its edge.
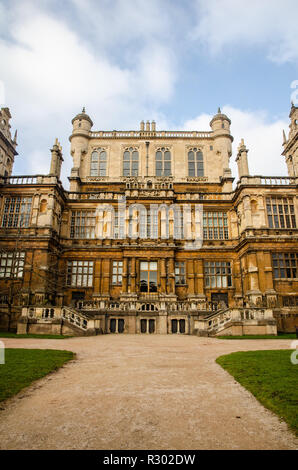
(262, 137)
(50, 71)
(266, 23)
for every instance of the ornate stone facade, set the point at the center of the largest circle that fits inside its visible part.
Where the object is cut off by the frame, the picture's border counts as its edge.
(119, 251)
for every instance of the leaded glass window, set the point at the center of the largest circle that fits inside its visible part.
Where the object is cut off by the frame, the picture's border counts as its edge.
(195, 162)
(98, 163)
(163, 162)
(285, 265)
(82, 224)
(17, 212)
(117, 272)
(215, 226)
(12, 264)
(180, 277)
(280, 212)
(80, 273)
(131, 162)
(217, 274)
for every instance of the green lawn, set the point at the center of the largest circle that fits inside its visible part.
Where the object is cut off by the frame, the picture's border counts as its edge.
(9, 334)
(24, 366)
(279, 336)
(270, 377)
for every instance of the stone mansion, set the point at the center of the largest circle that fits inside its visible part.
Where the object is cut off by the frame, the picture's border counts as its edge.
(151, 237)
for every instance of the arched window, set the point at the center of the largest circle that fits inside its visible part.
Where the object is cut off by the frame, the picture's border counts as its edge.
(98, 163)
(131, 162)
(163, 162)
(195, 162)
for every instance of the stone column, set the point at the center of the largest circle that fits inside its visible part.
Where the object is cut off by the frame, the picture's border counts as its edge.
(97, 277)
(133, 275)
(163, 275)
(247, 212)
(171, 276)
(237, 283)
(124, 276)
(190, 277)
(199, 277)
(254, 293)
(106, 277)
(270, 292)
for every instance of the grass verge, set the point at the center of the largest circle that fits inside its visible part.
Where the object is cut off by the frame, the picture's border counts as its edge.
(270, 377)
(9, 334)
(24, 366)
(279, 336)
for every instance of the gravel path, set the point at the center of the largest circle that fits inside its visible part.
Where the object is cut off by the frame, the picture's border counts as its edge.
(141, 392)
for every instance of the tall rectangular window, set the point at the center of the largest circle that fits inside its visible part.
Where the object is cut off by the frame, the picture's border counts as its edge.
(180, 277)
(163, 162)
(280, 212)
(98, 163)
(82, 224)
(215, 226)
(217, 274)
(131, 162)
(80, 273)
(116, 224)
(178, 223)
(17, 212)
(148, 276)
(117, 272)
(195, 162)
(12, 264)
(285, 265)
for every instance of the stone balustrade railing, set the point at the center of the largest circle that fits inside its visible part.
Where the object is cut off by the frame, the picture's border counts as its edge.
(156, 134)
(149, 303)
(29, 179)
(47, 314)
(217, 320)
(268, 180)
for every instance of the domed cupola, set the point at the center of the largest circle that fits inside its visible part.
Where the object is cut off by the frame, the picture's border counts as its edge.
(220, 121)
(82, 121)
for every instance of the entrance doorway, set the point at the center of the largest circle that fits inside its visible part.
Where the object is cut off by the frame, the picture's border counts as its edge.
(147, 326)
(178, 326)
(117, 325)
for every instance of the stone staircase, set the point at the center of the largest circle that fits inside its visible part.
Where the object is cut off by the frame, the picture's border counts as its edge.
(55, 320)
(237, 321)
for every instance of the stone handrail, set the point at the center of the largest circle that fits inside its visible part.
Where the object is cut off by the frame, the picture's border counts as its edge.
(45, 314)
(76, 318)
(220, 318)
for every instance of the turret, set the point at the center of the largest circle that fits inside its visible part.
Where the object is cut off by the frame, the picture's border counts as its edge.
(56, 160)
(242, 160)
(79, 139)
(290, 145)
(7, 144)
(220, 125)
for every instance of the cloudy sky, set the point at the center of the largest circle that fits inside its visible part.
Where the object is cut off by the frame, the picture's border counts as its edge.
(174, 61)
